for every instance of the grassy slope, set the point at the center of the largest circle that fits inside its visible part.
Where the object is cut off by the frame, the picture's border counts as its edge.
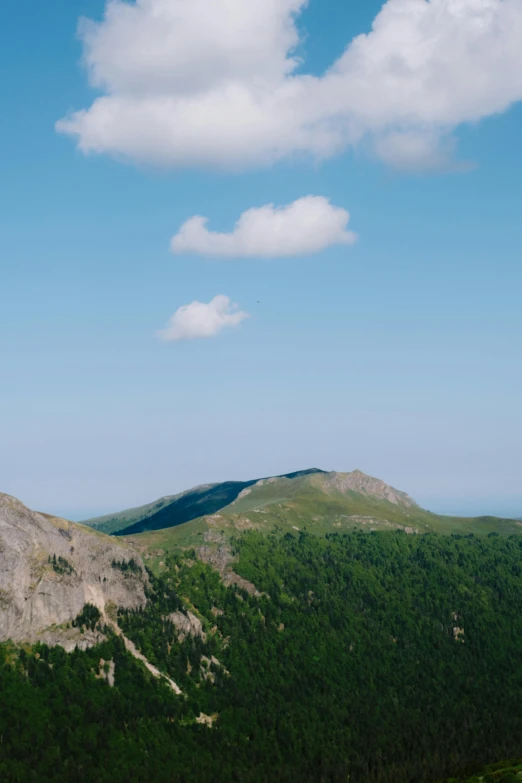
(300, 503)
(112, 523)
(179, 509)
(65, 524)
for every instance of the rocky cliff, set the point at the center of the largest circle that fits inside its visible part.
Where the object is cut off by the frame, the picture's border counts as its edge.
(359, 482)
(51, 568)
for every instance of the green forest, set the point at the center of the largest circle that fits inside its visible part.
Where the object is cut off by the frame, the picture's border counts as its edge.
(363, 657)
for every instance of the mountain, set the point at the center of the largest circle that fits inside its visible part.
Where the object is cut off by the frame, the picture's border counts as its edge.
(264, 635)
(314, 500)
(384, 658)
(50, 569)
(175, 510)
(252, 649)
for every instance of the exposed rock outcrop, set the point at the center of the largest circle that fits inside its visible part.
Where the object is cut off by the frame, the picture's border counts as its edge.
(131, 647)
(216, 553)
(207, 720)
(49, 570)
(107, 670)
(187, 625)
(208, 667)
(364, 485)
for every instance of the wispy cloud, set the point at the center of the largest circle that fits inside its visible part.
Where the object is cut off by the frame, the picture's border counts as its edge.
(199, 319)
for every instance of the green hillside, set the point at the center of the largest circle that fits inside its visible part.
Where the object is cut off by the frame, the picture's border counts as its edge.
(112, 523)
(381, 658)
(321, 503)
(314, 500)
(178, 509)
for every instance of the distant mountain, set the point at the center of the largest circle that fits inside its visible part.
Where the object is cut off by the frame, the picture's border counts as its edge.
(314, 500)
(175, 510)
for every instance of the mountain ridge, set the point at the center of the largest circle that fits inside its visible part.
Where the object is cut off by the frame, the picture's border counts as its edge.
(190, 504)
(317, 500)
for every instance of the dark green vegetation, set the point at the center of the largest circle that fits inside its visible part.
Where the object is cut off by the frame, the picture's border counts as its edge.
(60, 721)
(178, 509)
(89, 617)
(127, 566)
(60, 565)
(388, 658)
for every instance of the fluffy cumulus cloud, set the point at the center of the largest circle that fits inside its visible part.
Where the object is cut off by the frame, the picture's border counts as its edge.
(308, 225)
(195, 82)
(199, 319)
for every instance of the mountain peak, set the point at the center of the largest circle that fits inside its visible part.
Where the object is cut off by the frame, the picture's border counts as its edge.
(360, 482)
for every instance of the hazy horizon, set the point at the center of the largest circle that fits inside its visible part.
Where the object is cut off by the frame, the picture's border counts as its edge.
(504, 506)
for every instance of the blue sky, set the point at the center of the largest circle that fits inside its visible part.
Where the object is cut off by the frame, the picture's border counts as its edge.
(399, 355)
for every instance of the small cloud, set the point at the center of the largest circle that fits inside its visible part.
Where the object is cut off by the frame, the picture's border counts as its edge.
(198, 319)
(306, 226)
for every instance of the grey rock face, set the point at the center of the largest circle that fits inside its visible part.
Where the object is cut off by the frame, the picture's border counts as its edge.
(35, 600)
(187, 625)
(365, 485)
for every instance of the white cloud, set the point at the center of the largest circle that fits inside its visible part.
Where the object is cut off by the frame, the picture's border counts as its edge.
(308, 225)
(215, 81)
(405, 149)
(202, 320)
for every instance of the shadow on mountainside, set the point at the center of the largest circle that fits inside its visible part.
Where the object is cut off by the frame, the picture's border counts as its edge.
(197, 503)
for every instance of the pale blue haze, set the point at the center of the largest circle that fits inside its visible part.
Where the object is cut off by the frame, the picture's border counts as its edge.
(400, 356)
